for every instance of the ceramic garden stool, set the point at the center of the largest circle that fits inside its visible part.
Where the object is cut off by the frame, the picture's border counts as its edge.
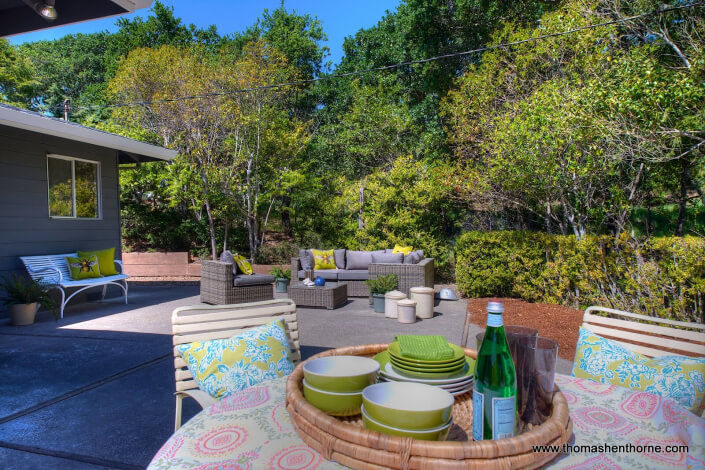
(406, 311)
(390, 303)
(424, 301)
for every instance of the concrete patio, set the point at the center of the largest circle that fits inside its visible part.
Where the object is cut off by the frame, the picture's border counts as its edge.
(95, 390)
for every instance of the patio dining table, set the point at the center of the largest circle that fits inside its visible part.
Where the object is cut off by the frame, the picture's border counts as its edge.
(252, 430)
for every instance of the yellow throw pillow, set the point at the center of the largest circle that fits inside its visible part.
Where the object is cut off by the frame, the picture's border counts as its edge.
(603, 360)
(403, 249)
(324, 259)
(225, 366)
(242, 264)
(83, 267)
(106, 260)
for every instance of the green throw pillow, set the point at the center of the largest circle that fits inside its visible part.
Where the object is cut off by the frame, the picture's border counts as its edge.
(243, 265)
(106, 260)
(85, 267)
(324, 259)
(225, 366)
(679, 378)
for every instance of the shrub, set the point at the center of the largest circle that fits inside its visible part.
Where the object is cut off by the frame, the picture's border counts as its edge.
(663, 277)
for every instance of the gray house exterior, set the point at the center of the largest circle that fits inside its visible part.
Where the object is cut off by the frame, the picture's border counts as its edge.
(33, 148)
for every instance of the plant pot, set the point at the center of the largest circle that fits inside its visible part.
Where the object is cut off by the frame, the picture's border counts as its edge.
(23, 314)
(281, 285)
(378, 302)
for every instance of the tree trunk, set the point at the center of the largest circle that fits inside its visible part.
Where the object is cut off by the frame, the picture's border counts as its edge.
(683, 199)
(286, 215)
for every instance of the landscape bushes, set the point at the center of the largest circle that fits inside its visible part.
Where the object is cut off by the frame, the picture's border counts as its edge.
(663, 277)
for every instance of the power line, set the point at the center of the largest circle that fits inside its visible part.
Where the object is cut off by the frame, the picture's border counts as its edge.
(393, 66)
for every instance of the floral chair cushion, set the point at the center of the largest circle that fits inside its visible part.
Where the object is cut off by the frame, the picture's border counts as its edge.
(680, 378)
(225, 366)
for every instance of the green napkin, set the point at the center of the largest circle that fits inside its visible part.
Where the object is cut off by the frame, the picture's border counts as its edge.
(425, 347)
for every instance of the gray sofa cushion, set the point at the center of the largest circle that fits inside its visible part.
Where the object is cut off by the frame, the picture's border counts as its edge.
(241, 280)
(415, 257)
(227, 257)
(354, 275)
(358, 259)
(306, 258)
(327, 274)
(340, 258)
(395, 258)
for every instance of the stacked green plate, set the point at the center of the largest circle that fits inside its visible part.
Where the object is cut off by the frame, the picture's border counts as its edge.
(424, 368)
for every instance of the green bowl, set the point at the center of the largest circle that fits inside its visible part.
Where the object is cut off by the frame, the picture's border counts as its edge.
(435, 434)
(407, 405)
(344, 374)
(334, 404)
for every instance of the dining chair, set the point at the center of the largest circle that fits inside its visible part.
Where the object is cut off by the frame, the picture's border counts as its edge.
(650, 336)
(206, 322)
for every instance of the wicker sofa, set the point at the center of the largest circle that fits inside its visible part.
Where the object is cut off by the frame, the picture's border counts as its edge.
(409, 275)
(218, 286)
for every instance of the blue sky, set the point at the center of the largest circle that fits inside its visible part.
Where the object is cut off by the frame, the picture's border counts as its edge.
(339, 18)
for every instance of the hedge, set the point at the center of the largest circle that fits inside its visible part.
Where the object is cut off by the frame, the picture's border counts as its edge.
(663, 277)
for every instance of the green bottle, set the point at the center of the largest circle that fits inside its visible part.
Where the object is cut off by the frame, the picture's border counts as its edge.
(495, 386)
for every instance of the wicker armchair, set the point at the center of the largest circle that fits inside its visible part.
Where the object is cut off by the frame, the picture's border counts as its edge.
(217, 286)
(410, 275)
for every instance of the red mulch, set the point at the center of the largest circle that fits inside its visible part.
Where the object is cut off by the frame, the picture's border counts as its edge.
(559, 323)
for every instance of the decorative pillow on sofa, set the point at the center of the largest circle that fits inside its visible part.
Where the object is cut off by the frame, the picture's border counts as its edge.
(323, 259)
(306, 258)
(405, 250)
(395, 258)
(415, 257)
(340, 258)
(225, 366)
(83, 267)
(679, 378)
(243, 265)
(227, 257)
(106, 260)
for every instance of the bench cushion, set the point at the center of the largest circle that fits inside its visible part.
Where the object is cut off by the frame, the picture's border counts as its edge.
(241, 280)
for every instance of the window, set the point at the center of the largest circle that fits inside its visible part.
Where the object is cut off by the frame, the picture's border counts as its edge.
(74, 188)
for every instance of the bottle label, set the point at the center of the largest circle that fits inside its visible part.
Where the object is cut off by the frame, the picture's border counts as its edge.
(478, 414)
(503, 417)
(494, 319)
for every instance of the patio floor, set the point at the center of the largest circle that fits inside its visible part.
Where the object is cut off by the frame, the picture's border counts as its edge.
(95, 390)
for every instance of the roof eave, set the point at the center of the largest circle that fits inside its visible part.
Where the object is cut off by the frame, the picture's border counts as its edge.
(57, 128)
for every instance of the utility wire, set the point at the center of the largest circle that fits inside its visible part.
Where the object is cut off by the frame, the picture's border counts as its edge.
(393, 66)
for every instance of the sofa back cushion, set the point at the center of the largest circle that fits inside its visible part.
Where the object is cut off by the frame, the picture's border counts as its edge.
(395, 258)
(358, 259)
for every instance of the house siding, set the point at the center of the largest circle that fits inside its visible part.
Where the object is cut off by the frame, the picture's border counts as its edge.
(25, 226)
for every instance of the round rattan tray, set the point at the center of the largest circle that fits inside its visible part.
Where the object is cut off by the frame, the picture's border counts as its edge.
(344, 440)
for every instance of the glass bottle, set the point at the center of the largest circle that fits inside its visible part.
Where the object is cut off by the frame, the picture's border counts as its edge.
(494, 388)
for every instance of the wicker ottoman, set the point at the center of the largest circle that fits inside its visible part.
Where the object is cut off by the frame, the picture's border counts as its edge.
(330, 296)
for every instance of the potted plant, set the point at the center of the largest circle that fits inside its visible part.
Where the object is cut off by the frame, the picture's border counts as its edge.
(282, 277)
(24, 297)
(380, 286)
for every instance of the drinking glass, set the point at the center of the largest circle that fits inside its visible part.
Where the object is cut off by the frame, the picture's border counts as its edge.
(536, 376)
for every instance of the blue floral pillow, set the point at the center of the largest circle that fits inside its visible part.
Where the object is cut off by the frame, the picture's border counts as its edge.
(677, 377)
(225, 366)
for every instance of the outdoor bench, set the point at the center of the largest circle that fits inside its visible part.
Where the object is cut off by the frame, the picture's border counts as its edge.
(52, 270)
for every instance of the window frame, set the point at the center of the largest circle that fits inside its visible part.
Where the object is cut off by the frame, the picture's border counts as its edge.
(99, 187)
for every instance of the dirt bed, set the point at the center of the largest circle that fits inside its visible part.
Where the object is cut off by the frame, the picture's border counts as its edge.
(559, 323)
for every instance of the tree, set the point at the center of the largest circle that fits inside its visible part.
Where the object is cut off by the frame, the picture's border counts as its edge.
(17, 77)
(575, 129)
